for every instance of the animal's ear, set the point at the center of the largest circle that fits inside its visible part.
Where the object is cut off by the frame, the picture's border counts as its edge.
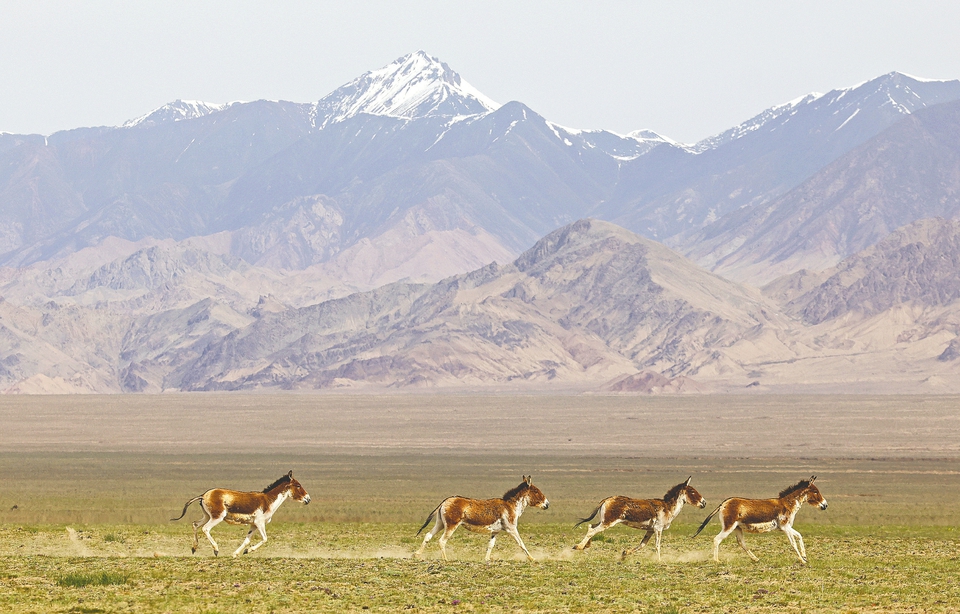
(687, 483)
(290, 475)
(528, 479)
(813, 479)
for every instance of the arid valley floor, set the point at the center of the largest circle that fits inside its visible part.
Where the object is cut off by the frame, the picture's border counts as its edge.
(88, 485)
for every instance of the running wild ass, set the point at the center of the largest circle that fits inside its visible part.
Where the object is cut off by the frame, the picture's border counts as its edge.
(762, 515)
(255, 509)
(652, 515)
(484, 516)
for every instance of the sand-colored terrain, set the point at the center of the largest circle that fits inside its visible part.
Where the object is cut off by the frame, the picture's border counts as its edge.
(649, 426)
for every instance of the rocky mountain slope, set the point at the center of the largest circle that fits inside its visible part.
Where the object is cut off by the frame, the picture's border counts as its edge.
(674, 193)
(915, 265)
(886, 319)
(591, 307)
(908, 172)
(588, 303)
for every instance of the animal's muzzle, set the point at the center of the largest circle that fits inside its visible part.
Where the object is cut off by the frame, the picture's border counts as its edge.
(703, 503)
(306, 500)
(823, 505)
(546, 505)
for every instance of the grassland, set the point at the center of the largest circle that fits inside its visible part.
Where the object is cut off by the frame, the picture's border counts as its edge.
(86, 529)
(93, 515)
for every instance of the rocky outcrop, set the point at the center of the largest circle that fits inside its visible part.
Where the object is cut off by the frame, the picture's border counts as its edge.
(917, 265)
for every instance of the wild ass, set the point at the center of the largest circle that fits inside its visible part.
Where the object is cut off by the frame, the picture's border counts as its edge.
(762, 515)
(243, 508)
(484, 516)
(652, 515)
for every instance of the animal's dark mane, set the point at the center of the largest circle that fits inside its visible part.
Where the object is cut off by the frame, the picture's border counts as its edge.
(513, 492)
(280, 481)
(798, 486)
(674, 493)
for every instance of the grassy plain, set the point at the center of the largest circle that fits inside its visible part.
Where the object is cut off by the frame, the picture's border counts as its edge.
(90, 531)
(83, 515)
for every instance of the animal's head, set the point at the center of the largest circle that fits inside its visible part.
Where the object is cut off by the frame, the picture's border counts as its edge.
(691, 495)
(534, 496)
(297, 491)
(813, 494)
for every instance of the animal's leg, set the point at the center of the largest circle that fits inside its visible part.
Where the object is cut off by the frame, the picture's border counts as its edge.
(196, 530)
(803, 549)
(206, 531)
(447, 532)
(659, 537)
(722, 535)
(743, 544)
(437, 526)
(245, 541)
(592, 532)
(516, 535)
(262, 527)
(493, 540)
(794, 537)
(643, 542)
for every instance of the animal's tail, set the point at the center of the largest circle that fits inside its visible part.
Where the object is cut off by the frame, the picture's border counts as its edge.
(429, 518)
(590, 517)
(185, 508)
(707, 520)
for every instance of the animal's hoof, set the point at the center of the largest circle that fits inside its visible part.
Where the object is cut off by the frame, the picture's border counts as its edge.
(246, 551)
(193, 550)
(216, 553)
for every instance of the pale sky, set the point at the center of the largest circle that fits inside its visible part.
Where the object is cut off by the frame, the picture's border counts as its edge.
(687, 70)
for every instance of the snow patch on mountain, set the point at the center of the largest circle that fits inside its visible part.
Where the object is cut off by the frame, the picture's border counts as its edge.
(902, 93)
(619, 146)
(757, 122)
(416, 85)
(176, 111)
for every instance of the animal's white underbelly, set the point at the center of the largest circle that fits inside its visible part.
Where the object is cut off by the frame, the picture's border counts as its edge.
(243, 519)
(760, 527)
(496, 527)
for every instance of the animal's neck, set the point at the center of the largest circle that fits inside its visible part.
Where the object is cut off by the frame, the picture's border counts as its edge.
(795, 502)
(519, 505)
(673, 506)
(280, 498)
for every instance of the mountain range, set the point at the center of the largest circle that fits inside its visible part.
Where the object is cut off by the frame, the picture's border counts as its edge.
(406, 230)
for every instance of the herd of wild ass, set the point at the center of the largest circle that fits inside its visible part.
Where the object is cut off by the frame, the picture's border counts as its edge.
(493, 516)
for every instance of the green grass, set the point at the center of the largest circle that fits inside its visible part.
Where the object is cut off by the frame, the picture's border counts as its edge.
(327, 567)
(92, 534)
(103, 578)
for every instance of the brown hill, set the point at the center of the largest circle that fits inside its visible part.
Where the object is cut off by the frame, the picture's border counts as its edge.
(917, 264)
(587, 304)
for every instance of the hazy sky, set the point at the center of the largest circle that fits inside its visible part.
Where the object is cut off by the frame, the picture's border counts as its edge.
(684, 69)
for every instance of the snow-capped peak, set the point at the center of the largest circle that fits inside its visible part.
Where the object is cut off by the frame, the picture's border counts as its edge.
(757, 122)
(416, 85)
(891, 95)
(175, 112)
